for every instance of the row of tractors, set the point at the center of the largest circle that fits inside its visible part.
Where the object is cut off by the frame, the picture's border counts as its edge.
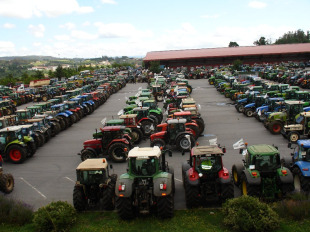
(284, 109)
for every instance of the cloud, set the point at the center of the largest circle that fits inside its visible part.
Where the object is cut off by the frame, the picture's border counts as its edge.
(9, 25)
(37, 31)
(82, 35)
(215, 16)
(38, 8)
(120, 30)
(67, 26)
(6, 48)
(257, 4)
(86, 24)
(108, 2)
(62, 37)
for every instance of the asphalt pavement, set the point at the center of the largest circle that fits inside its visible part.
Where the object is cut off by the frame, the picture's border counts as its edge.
(50, 174)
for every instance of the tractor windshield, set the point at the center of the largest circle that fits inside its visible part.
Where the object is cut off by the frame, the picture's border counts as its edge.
(92, 177)
(208, 163)
(143, 167)
(266, 162)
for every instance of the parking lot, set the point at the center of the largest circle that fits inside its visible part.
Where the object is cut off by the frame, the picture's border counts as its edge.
(50, 174)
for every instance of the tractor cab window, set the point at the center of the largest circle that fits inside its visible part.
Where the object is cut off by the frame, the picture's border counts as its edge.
(91, 177)
(208, 163)
(2, 139)
(143, 167)
(266, 162)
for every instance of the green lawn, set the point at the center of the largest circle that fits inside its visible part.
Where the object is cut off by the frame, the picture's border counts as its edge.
(184, 220)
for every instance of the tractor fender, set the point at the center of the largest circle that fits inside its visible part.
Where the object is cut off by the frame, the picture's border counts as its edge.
(192, 177)
(252, 180)
(68, 112)
(304, 167)
(162, 178)
(119, 140)
(224, 176)
(126, 180)
(63, 114)
(183, 133)
(307, 109)
(191, 124)
(146, 119)
(90, 149)
(242, 101)
(288, 178)
(249, 105)
(92, 143)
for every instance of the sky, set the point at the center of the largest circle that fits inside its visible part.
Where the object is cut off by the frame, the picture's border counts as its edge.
(95, 28)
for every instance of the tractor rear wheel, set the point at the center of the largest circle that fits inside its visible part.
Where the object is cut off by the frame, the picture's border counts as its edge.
(192, 195)
(41, 139)
(117, 152)
(158, 142)
(17, 154)
(165, 206)
(201, 125)
(137, 135)
(56, 128)
(6, 183)
(247, 188)
(195, 130)
(183, 144)
(62, 122)
(159, 98)
(147, 127)
(301, 183)
(79, 199)
(124, 208)
(293, 137)
(236, 173)
(32, 148)
(249, 112)
(87, 154)
(227, 191)
(108, 197)
(275, 127)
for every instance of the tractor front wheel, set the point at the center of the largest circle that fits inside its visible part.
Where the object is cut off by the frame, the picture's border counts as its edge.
(293, 137)
(17, 154)
(137, 135)
(87, 154)
(147, 127)
(159, 143)
(165, 206)
(249, 112)
(183, 144)
(275, 127)
(117, 152)
(6, 183)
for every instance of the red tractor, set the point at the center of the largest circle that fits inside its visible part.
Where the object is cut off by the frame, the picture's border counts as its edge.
(175, 133)
(205, 178)
(110, 141)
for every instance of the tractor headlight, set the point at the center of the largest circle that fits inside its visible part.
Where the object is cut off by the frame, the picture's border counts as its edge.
(200, 174)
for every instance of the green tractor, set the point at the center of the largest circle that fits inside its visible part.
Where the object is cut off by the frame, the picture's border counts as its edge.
(148, 186)
(6, 182)
(94, 185)
(261, 173)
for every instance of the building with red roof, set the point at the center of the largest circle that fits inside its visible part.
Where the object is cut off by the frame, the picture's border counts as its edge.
(223, 56)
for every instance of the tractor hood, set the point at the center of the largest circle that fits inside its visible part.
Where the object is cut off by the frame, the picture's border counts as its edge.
(304, 167)
(242, 100)
(91, 142)
(293, 127)
(249, 105)
(160, 134)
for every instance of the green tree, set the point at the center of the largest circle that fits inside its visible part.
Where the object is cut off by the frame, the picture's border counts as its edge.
(262, 41)
(155, 66)
(237, 65)
(298, 36)
(59, 73)
(233, 44)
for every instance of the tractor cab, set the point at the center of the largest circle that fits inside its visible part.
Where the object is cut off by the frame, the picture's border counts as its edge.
(175, 126)
(6, 121)
(129, 119)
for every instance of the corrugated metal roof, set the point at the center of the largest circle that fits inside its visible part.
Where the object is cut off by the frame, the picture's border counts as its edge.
(228, 51)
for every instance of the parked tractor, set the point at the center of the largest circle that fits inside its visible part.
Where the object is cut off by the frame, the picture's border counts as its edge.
(293, 132)
(261, 173)
(148, 186)
(94, 183)
(299, 164)
(205, 177)
(6, 182)
(174, 134)
(109, 141)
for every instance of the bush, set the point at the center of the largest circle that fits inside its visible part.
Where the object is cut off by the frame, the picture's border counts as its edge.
(249, 214)
(56, 216)
(14, 212)
(296, 207)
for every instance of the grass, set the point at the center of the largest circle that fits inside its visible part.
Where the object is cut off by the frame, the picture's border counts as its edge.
(207, 220)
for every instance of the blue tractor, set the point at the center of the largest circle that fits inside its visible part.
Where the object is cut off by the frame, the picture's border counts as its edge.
(299, 164)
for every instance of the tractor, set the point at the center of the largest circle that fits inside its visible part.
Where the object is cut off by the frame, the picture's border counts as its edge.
(6, 182)
(109, 141)
(205, 177)
(148, 186)
(174, 133)
(299, 164)
(294, 132)
(262, 174)
(94, 183)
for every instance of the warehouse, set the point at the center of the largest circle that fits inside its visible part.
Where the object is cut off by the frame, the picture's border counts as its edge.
(224, 56)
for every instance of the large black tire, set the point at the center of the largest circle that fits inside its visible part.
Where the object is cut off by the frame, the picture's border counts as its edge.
(240, 108)
(62, 122)
(158, 142)
(16, 153)
(301, 183)
(248, 189)
(137, 135)
(171, 171)
(159, 117)
(249, 112)
(77, 116)
(201, 125)
(124, 207)
(41, 139)
(87, 154)
(293, 137)
(117, 152)
(287, 162)
(32, 148)
(155, 120)
(227, 191)
(81, 113)
(108, 197)
(275, 127)
(165, 206)
(195, 130)
(192, 195)
(37, 140)
(79, 200)
(56, 128)
(146, 127)
(236, 173)
(159, 98)
(183, 144)
(73, 118)
(185, 167)
(6, 183)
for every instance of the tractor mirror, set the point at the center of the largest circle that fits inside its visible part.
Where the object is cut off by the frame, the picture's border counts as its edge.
(224, 149)
(240, 151)
(183, 152)
(289, 145)
(168, 152)
(111, 166)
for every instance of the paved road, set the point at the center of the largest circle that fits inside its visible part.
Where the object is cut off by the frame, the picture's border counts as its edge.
(50, 174)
